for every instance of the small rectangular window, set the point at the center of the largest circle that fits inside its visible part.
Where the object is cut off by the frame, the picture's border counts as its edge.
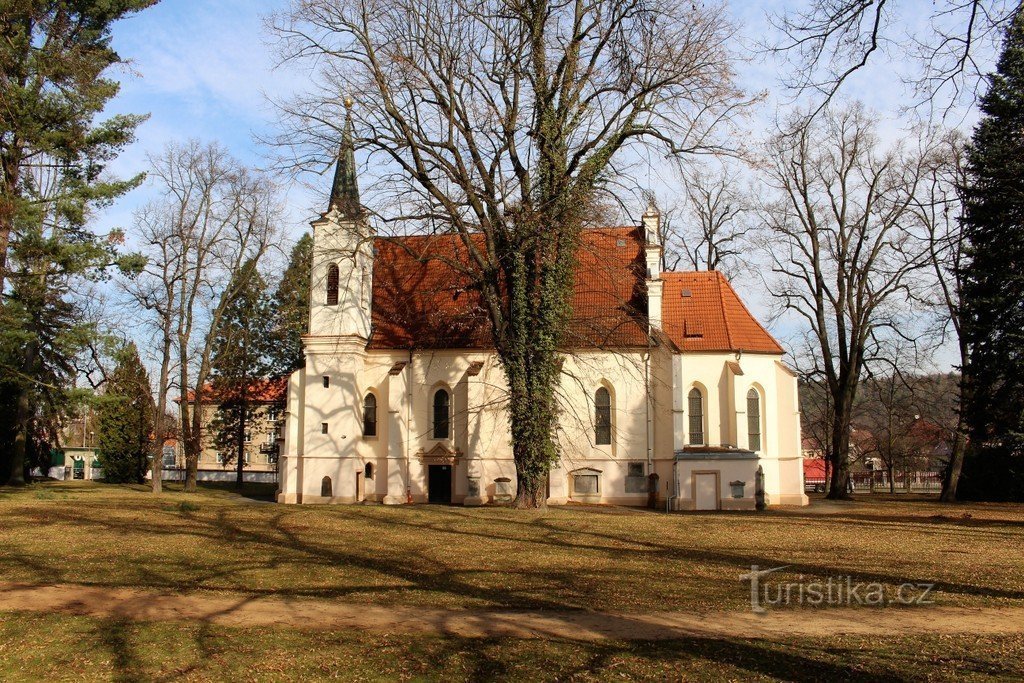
(323, 427)
(327, 382)
(636, 469)
(584, 483)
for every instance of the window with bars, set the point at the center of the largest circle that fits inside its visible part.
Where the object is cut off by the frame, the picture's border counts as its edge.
(442, 411)
(753, 420)
(370, 415)
(602, 417)
(332, 285)
(695, 408)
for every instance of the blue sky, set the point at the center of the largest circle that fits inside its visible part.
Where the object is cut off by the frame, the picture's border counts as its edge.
(205, 69)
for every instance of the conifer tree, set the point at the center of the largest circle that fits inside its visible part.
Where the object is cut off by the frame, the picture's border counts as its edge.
(124, 424)
(993, 284)
(291, 307)
(241, 362)
(53, 156)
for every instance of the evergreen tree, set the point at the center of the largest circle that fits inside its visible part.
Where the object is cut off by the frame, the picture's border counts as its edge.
(124, 424)
(53, 157)
(993, 289)
(291, 307)
(242, 359)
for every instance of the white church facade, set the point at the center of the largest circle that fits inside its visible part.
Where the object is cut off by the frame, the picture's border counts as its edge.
(402, 398)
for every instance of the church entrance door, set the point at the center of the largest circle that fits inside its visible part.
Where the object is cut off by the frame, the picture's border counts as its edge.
(439, 484)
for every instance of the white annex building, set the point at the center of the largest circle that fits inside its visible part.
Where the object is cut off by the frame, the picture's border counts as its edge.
(402, 397)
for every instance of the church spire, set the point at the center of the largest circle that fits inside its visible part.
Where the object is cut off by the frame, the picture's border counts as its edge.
(345, 190)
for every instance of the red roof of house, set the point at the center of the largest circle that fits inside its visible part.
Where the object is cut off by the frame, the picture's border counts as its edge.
(814, 468)
(702, 312)
(423, 297)
(260, 391)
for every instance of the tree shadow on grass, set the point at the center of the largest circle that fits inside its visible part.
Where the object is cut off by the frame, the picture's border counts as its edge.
(287, 542)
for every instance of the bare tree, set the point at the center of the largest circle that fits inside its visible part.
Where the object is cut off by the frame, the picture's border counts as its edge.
(502, 122)
(155, 292)
(830, 40)
(708, 231)
(838, 240)
(212, 216)
(938, 210)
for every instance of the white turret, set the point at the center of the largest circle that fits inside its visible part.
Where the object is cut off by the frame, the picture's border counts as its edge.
(652, 254)
(342, 274)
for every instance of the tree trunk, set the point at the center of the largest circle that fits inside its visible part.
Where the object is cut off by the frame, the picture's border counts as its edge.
(24, 419)
(532, 377)
(243, 416)
(951, 476)
(840, 480)
(892, 480)
(160, 421)
(17, 477)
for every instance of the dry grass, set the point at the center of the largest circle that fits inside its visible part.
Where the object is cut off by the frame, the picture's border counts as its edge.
(565, 558)
(68, 648)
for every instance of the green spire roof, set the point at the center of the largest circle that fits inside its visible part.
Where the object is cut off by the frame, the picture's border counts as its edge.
(345, 190)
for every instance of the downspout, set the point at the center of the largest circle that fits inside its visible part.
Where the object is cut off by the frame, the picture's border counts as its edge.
(647, 406)
(408, 429)
(670, 501)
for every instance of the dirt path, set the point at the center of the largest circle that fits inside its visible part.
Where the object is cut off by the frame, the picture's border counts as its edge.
(242, 610)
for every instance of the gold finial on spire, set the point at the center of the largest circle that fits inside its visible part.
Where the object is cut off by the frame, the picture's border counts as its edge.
(349, 101)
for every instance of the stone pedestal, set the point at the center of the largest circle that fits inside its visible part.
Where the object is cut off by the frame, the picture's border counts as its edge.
(473, 494)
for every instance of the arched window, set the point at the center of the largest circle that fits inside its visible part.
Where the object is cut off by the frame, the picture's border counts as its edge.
(325, 488)
(602, 417)
(442, 406)
(753, 420)
(370, 415)
(332, 285)
(368, 470)
(695, 407)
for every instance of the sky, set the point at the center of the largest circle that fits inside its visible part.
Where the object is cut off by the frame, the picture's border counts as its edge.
(207, 69)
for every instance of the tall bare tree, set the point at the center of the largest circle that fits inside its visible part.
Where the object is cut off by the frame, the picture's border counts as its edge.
(830, 40)
(939, 212)
(213, 215)
(839, 241)
(502, 121)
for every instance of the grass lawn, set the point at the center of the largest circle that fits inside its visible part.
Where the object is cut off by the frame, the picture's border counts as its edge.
(594, 558)
(66, 648)
(610, 559)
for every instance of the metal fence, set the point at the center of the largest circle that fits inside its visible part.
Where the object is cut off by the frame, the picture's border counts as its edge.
(178, 474)
(878, 482)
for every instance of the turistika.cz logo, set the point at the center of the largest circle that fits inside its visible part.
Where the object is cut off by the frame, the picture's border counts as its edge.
(833, 591)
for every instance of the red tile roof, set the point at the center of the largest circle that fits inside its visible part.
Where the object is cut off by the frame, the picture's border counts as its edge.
(423, 294)
(423, 297)
(260, 391)
(711, 316)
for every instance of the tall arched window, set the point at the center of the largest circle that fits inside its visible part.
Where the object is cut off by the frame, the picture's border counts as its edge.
(753, 420)
(602, 417)
(370, 415)
(442, 406)
(695, 407)
(332, 284)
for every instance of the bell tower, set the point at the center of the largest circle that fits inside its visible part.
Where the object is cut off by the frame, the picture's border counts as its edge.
(342, 275)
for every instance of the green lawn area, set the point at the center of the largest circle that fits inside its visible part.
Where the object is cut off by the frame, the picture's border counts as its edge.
(610, 559)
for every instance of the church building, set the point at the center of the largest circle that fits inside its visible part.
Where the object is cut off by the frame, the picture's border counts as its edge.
(672, 394)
